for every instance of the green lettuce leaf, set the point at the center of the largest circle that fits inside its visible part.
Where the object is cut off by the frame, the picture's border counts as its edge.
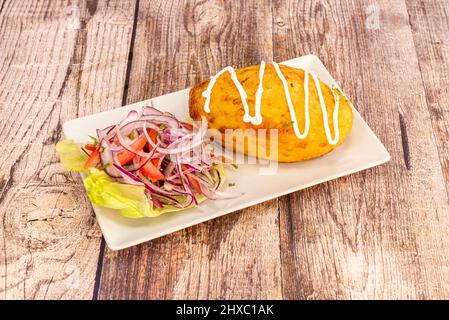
(71, 155)
(129, 200)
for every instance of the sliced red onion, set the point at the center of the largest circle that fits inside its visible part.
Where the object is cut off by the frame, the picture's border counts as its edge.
(204, 179)
(133, 115)
(185, 181)
(166, 136)
(162, 119)
(150, 110)
(105, 133)
(143, 161)
(177, 143)
(128, 177)
(182, 147)
(169, 196)
(150, 186)
(138, 125)
(107, 160)
(195, 167)
(157, 203)
(217, 195)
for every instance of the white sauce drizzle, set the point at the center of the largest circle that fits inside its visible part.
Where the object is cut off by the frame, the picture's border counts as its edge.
(290, 104)
(257, 119)
(206, 94)
(324, 111)
(306, 107)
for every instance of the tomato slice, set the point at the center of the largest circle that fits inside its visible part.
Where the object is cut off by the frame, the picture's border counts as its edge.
(152, 133)
(93, 160)
(195, 184)
(156, 161)
(90, 147)
(125, 157)
(150, 170)
(187, 126)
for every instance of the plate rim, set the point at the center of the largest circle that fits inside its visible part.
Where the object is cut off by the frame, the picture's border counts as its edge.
(385, 157)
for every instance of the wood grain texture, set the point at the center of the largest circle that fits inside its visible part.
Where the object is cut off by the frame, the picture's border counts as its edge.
(430, 25)
(237, 256)
(59, 60)
(381, 233)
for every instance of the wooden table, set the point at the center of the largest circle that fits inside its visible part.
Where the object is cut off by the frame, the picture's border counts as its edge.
(381, 233)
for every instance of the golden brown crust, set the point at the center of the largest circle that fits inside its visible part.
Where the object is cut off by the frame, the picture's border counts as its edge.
(227, 111)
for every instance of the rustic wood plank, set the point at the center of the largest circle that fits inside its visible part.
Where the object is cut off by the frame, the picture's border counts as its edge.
(377, 234)
(381, 233)
(59, 60)
(430, 29)
(179, 43)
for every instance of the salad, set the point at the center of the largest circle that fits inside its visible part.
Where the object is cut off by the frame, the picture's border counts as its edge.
(148, 164)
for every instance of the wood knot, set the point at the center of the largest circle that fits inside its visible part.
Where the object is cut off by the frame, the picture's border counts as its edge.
(203, 16)
(50, 216)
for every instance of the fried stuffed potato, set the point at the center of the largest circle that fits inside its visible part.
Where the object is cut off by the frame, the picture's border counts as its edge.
(227, 112)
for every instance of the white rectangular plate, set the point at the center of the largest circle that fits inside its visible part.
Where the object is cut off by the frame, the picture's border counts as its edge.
(361, 150)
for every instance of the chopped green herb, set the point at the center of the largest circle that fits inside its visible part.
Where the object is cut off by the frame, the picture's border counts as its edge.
(336, 91)
(234, 165)
(231, 184)
(133, 135)
(94, 140)
(162, 126)
(287, 124)
(106, 165)
(266, 87)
